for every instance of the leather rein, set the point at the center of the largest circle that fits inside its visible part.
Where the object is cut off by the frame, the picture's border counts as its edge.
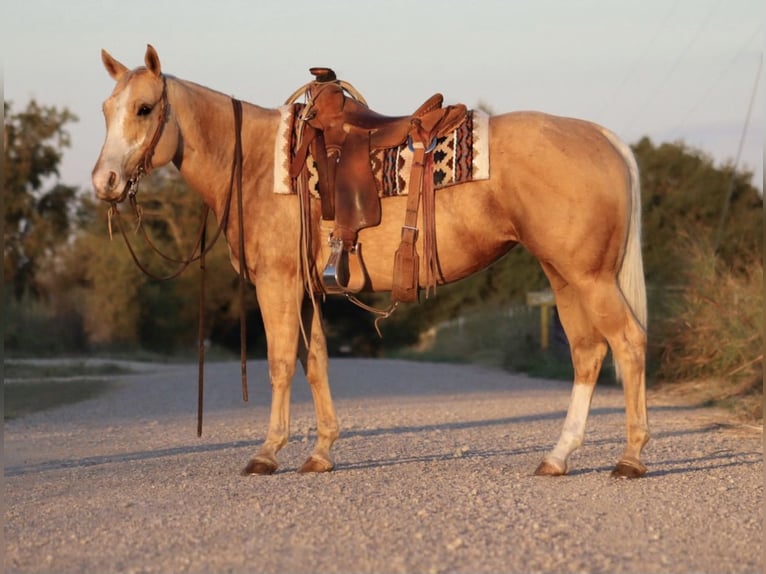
(201, 246)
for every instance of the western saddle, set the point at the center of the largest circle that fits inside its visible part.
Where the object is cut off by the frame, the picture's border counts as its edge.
(340, 131)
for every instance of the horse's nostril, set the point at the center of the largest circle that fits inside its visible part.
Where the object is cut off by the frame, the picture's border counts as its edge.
(112, 180)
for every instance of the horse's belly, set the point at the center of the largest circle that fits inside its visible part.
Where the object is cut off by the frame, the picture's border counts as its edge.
(470, 235)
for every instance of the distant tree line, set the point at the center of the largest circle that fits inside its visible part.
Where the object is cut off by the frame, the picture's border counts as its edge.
(69, 288)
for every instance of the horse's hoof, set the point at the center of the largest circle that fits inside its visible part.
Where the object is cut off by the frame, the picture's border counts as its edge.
(549, 468)
(256, 466)
(629, 469)
(315, 464)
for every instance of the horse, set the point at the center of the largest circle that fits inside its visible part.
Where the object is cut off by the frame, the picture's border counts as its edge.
(565, 189)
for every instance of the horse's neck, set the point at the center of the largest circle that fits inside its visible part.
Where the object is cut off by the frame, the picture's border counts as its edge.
(206, 149)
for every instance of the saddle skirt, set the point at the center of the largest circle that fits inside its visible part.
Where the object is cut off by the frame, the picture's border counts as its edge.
(459, 157)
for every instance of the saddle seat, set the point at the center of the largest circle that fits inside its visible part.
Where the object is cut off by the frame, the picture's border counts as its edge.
(387, 131)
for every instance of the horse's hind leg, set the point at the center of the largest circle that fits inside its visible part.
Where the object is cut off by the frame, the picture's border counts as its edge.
(628, 345)
(588, 348)
(626, 337)
(314, 360)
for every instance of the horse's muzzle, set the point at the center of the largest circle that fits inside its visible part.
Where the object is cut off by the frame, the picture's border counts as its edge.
(109, 186)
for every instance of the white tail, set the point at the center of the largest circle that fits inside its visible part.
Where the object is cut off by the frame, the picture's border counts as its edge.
(630, 278)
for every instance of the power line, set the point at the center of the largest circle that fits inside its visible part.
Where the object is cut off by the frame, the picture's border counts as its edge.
(715, 82)
(725, 210)
(653, 94)
(634, 68)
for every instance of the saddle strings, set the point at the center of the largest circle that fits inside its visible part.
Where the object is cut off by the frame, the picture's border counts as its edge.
(381, 314)
(307, 264)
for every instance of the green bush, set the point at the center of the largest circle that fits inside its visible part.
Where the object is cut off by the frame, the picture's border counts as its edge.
(714, 330)
(507, 339)
(33, 328)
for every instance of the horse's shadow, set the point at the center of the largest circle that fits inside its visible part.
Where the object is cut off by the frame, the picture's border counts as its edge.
(660, 468)
(692, 464)
(663, 468)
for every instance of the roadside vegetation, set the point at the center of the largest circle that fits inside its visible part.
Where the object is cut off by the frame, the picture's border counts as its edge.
(712, 334)
(32, 387)
(70, 291)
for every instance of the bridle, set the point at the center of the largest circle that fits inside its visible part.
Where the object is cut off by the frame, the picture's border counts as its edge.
(201, 246)
(144, 166)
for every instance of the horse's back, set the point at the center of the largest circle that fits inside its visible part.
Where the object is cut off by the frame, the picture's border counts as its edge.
(552, 143)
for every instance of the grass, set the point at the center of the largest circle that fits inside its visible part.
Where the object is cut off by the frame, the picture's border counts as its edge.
(25, 370)
(38, 387)
(25, 398)
(30, 387)
(508, 340)
(481, 338)
(712, 338)
(179, 356)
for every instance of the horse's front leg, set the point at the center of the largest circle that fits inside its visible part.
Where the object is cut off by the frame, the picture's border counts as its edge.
(279, 309)
(314, 359)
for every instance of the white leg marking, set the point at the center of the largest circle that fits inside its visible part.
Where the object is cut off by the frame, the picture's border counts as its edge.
(574, 426)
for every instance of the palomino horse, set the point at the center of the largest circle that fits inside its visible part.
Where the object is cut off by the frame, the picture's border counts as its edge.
(565, 189)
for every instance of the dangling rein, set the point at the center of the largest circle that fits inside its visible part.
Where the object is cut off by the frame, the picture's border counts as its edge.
(201, 248)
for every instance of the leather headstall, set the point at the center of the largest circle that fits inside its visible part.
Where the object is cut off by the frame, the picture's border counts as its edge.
(144, 165)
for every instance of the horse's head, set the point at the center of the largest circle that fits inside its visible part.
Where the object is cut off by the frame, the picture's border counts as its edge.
(141, 132)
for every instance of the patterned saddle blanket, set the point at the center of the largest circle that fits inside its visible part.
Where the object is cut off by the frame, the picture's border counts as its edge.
(459, 157)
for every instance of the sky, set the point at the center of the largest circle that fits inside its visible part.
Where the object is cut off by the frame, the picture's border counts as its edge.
(672, 70)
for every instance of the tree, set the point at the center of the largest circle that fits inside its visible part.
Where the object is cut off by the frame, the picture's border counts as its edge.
(683, 195)
(38, 208)
(120, 304)
(704, 289)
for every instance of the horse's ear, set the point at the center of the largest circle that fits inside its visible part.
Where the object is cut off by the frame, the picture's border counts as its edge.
(152, 60)
(115, 68)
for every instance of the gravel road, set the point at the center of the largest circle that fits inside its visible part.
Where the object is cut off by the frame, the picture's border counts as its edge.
(434, 474)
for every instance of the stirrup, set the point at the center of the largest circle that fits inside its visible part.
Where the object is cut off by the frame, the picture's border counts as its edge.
(335, 276)
(343, 273)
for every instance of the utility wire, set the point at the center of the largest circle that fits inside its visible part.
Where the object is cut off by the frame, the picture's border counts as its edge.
(634, 68)
(727, 202)
(715, 82)
(660, 85)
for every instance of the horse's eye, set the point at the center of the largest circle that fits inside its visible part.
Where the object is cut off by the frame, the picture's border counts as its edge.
(144, 110)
